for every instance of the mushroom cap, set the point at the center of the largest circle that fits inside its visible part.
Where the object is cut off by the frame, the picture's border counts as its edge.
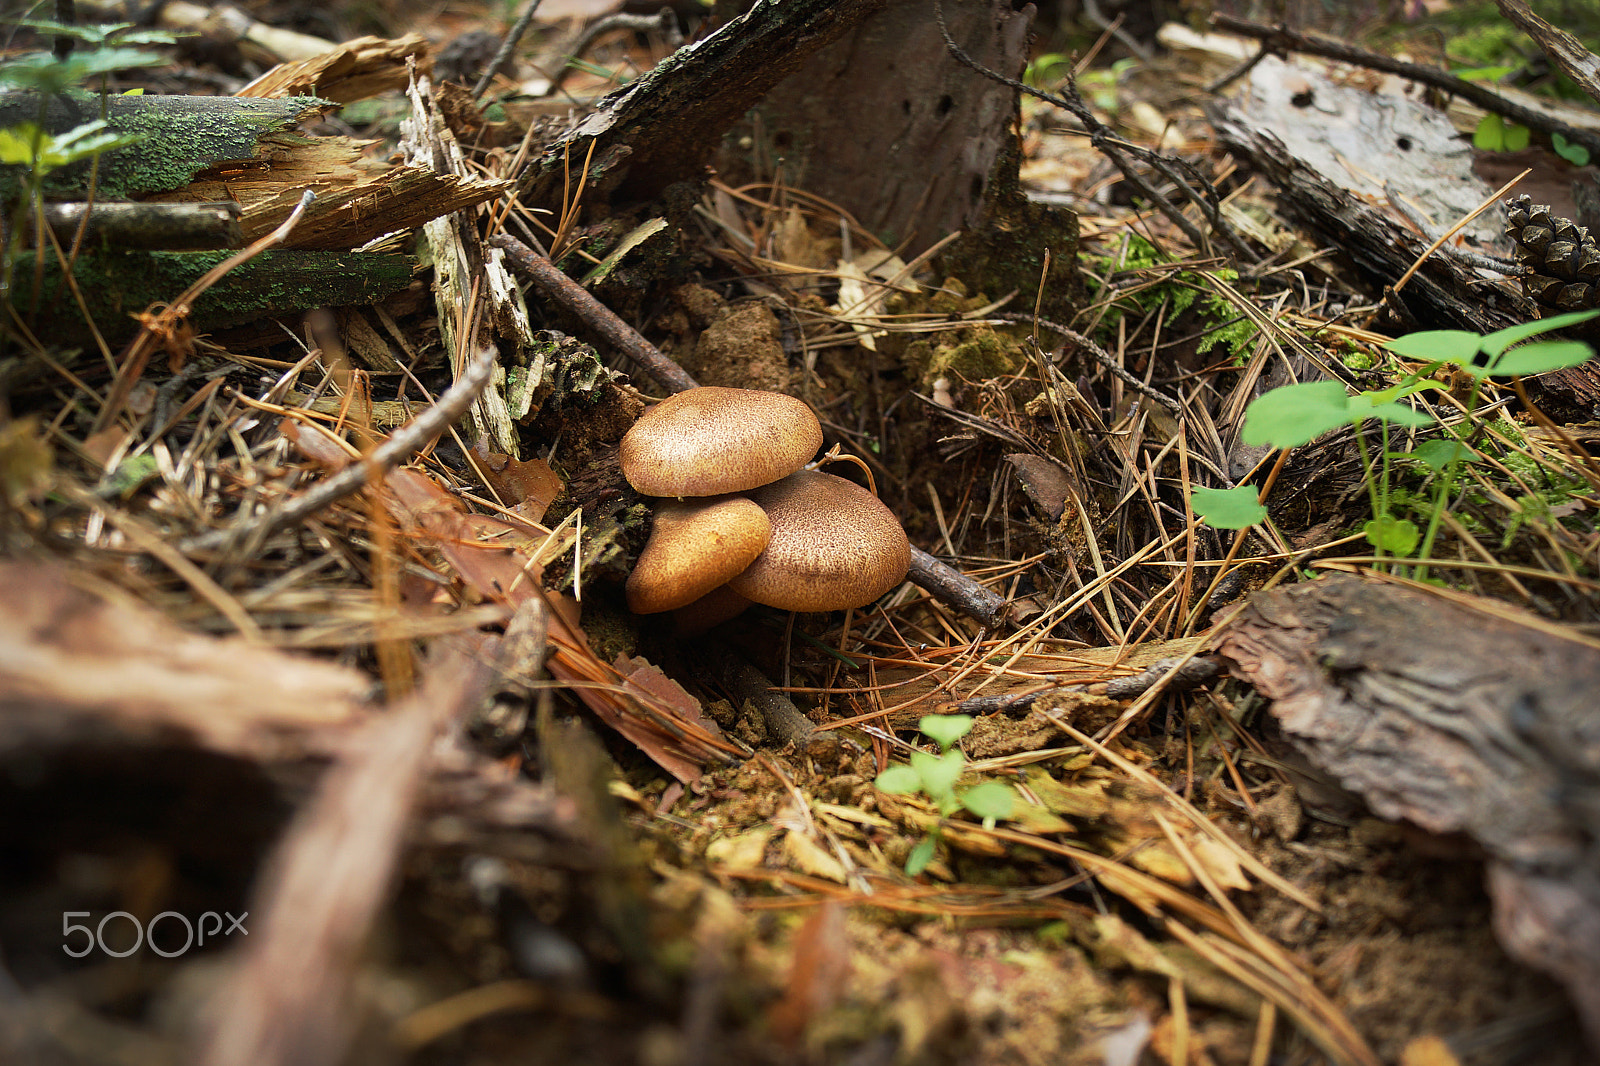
(711, 440)
(708, 612)
(834, 545)
(696, 545)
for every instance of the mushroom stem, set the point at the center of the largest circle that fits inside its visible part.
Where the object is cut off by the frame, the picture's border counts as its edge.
(954, 589)
(569, 294)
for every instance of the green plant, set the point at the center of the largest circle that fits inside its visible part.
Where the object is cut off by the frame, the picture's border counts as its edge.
(33, 148)
(936, 775)
(1183, 288)
(1297, 414)
(1576, 154)
(1495, 134)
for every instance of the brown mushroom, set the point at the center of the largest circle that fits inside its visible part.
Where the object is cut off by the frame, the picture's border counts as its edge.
(696, 546)
(711, 440)
(834, 545)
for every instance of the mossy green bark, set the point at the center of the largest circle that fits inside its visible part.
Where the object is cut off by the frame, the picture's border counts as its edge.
(116, 285)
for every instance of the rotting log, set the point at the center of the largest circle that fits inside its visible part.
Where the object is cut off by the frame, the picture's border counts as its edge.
(181, 136)
(1459, 716)
(116, 285)
(1443, 294)
(665, 127)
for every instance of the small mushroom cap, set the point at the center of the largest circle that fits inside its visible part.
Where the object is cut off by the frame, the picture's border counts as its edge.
(696, 545)
(834, 545)
(710, 440)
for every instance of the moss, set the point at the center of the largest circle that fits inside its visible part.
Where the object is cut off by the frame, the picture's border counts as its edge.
(979, 354)
(119, 284)
(1007, 251)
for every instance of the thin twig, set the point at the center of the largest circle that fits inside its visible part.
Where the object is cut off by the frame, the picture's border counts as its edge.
(621, 336)
(507, 46)
(395, 449)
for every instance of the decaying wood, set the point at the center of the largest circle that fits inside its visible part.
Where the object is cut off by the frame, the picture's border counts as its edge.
(355, 70)
(910, 155)
(1580, 64)
(1280, 39)
(116, 285)
(465, 271)
(167, 227)
(1460, 719)
(180, 137)
(664, 127)
(1442, 294)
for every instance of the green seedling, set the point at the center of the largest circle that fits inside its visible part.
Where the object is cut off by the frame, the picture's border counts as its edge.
(1576, 154)
(936, 775)
(1297, 414)
(1495, 134)
(36, 151)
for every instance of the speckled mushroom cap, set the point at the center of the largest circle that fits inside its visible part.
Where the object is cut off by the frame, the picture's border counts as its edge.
(834, 545)
(710, 440)
(696, 546)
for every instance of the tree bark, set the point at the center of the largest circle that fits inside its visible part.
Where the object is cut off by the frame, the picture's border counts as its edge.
(1459, 719)
(665, 127)
(888, 126)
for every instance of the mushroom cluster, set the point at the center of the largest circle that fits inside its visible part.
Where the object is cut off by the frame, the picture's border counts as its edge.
(743, 520)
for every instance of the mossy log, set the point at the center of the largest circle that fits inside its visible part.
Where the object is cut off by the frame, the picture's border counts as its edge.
(118, 284)
(181, 136)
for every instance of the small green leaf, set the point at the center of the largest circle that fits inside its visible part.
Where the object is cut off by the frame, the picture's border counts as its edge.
(1541, 356)
(17, 143)
(990, 800)
(1490, 136)
(1236, 508)
(1295, 414)
(1483, 73)
(1393, 535)
(920, 856)
(1501, 339)
(1438, 454)
(1397, 414)
(1516, 137)
(1576, 154)
(939, 772)
(1438, 346)
(945, 729)
(900, 780)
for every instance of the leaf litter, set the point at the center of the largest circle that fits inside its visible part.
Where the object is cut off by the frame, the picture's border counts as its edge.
(1157, 886)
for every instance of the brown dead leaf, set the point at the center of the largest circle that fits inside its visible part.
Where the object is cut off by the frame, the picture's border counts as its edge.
(528, 488)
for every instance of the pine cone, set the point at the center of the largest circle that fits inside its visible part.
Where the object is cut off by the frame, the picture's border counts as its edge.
(1564, 259)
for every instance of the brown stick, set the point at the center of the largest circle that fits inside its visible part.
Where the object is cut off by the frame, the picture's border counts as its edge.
(1277, 38)
(954, 589)
(1580, 64)
(596, 315)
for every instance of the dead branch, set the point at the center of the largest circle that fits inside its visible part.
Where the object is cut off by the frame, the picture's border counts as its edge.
(596, 315)
(1280, 39)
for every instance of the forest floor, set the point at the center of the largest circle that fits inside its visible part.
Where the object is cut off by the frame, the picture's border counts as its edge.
(447, 857)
